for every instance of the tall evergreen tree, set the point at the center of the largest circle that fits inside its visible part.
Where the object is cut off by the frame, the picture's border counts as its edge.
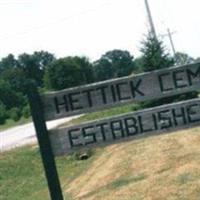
(154, 54)
(155, 57)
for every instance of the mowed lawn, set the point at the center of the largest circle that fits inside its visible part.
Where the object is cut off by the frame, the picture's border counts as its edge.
(158, 167)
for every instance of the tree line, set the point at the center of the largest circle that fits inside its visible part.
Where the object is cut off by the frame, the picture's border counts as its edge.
(51, 73)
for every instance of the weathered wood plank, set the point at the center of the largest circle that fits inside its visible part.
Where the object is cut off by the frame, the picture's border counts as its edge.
(137, 88)
(107, 131)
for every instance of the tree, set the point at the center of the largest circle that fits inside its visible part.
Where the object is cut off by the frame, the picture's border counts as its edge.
(138, 64)
(15, 77)
(33, 66)
(9, 97)
(8, 63)
(183, 58)
(68, 72)
(154, 54)
(155, 57)
(112, 64)
(86, 69)
(197, 59)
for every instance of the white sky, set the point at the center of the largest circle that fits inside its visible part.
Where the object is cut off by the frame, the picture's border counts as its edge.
(92, 27)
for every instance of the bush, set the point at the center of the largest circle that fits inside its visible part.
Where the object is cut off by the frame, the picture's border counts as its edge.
(3, 115)
(168, 100)
(26, 112)
(136, 107)
(15, 114)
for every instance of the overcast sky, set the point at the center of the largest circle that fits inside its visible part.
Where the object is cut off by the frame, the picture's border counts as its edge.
(92, 27)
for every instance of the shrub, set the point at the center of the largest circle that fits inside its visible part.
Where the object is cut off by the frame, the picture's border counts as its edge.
(15, 114)
(26, 112)
(136, 107)
(3, 115)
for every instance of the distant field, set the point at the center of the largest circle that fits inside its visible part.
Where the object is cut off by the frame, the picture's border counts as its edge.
(158, 167)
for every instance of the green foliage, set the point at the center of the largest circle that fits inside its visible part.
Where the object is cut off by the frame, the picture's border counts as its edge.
(154, 57)
(9, 123)
(9, 97)
(68, 72)
(50, 73)
(139, 64)
(3, 115)
(22, 174)
(167, 100)
(33, 66)
(154, 54)
(122, 109)
(85, 68)
(26, 112)
(113, 64)
(15, 77)
(8, 62)
(15, 114)
(183, 58)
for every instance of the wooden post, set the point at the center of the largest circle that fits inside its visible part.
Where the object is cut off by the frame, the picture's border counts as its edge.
(44, 143)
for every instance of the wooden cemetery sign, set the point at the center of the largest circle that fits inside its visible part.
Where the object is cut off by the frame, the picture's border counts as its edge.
(142, 87)
(163, 118)
(92, 97)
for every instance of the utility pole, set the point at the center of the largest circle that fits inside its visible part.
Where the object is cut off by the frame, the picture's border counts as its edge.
(152, 27)
(171, 41)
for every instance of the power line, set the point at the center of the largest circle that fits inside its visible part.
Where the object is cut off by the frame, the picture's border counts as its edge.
(56, 22)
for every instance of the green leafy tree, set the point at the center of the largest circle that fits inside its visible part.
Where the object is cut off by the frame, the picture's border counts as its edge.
(85, 69)
(15, 77)
(183, 58)
(8, 63)
(113, 64)
(33, 66)
(9, 97)
(68, 72)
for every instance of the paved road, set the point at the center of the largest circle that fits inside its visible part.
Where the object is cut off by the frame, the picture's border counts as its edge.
(24, 134)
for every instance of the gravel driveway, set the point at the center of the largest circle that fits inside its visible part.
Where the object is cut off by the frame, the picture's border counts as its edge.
(24, 134)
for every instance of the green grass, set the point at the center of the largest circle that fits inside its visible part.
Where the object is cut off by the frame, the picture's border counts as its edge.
(11, 123)
(22, 175)
(157, 167)
(104, 113)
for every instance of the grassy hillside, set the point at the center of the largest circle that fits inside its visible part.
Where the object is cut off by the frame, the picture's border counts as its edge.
(159, 167)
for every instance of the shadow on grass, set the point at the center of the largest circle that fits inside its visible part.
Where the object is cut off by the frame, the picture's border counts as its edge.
(120, 182)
